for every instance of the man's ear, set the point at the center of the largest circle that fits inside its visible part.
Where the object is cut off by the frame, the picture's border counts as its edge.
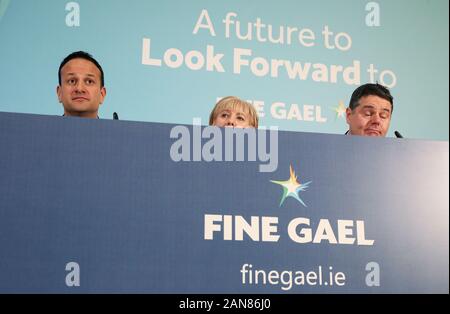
(102, 94)
(348, 113)
(58, 93)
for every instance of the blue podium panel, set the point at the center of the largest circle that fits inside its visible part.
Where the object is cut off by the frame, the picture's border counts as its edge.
(96, 206)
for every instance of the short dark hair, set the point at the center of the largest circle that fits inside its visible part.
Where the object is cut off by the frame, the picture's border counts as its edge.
(85, 56)
(370, 89)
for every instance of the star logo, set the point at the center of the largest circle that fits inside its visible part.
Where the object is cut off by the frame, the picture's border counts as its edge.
(340, 110)
(292, 187)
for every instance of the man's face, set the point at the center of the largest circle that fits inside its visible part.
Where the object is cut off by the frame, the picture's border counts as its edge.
(232, 118)
(371, 118)
(80, 91)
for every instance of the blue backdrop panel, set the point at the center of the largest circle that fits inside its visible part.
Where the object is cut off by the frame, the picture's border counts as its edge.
(107, 195)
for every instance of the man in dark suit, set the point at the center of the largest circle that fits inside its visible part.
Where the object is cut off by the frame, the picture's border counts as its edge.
(370, 110)
(81, 88)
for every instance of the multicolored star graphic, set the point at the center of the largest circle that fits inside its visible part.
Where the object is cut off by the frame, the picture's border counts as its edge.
(340, 110)
(292, 187)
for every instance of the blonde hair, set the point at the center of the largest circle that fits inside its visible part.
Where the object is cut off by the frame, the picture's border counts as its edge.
(234, 103)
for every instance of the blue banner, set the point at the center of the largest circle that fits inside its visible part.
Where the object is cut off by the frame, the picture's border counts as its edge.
(100, 206)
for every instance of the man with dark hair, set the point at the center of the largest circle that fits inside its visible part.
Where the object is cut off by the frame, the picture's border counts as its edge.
(81, 87)
(370, 109)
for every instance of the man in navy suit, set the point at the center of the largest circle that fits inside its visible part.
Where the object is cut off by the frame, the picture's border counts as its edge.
(370, 110)
(81, 88)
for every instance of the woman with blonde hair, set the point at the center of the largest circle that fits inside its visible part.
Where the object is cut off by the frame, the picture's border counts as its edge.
(233, 112)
